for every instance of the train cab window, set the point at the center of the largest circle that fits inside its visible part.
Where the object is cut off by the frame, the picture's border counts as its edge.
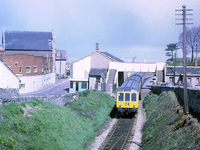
(133, 97)
(121, 96)
(127, 96)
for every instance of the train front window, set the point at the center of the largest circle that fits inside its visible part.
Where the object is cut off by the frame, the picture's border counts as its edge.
(121, 96)
(133, 97)
(127, 96)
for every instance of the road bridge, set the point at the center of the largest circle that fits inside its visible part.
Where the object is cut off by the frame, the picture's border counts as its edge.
(117, 72)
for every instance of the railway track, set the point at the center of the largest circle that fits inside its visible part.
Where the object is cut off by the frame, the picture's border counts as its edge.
(119, 135)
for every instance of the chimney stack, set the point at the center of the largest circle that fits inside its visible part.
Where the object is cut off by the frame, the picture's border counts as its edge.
(97, 47)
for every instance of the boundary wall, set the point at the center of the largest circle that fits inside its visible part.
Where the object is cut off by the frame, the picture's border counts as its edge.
(193, 95)
(8, 96)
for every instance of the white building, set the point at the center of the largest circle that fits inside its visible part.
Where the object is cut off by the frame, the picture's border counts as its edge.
(7, 78)
(80, 71)
(60, 62)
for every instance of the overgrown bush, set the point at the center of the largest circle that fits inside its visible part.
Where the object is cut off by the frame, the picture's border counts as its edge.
(42, 125)
(166, 126)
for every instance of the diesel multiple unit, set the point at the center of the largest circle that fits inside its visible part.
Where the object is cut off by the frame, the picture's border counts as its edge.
(129, 93)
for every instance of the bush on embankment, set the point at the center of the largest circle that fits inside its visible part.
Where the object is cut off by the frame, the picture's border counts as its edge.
(43, 125)
(166, 126)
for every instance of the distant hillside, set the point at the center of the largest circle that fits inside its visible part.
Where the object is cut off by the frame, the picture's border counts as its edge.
(166, 126)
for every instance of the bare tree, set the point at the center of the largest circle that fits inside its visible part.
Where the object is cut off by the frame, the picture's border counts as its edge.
(192, 39)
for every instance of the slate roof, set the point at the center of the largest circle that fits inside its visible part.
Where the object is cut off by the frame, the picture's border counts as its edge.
(98, 72)
(27, 40)
(111, 56)
(179, 70)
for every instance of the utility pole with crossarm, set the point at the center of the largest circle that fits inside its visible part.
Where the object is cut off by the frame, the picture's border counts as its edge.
(184, 14)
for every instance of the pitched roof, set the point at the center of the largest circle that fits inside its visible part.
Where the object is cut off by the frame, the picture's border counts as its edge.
(98, 72)
(27, 40)
(111, 56)
(179, 70)
(108, 55)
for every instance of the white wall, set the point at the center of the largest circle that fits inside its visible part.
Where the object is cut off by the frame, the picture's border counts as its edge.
(92, 82)
(99, 61)
(63, 67)
(7, 78)
(81, 68)
(34, 83)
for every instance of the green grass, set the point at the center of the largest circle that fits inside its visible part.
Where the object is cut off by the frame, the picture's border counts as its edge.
(53, 127)
(166, 127)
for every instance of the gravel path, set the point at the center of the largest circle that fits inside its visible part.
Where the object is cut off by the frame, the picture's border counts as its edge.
(101, 135)
(137, 128)
(140, 120)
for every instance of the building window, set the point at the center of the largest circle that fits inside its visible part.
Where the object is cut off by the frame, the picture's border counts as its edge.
(28, 69)
(171, 79)
(16, 63)
(189, 79)
(21, 86)
(20, 69)
(35, 69)
(198, 81)
(84, 85)
(71, 84)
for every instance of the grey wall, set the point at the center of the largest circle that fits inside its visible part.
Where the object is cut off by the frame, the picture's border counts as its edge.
(11, 96)
(193, 95)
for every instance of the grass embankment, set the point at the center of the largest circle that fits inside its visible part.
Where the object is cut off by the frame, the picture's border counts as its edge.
(40, 125)
(167, 127)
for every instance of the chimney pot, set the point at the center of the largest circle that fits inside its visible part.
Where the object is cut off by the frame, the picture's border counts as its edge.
(97, 47)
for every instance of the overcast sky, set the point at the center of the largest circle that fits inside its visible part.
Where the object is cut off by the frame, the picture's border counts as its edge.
(124, 28)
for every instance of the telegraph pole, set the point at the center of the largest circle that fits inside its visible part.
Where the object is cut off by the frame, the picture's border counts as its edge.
(184, 10)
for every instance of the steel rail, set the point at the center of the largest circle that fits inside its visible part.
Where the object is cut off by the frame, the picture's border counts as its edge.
(113, 131)
(128, 134)
(125, 135)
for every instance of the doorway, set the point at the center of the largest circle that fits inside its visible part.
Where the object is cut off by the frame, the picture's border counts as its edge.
(120, 78)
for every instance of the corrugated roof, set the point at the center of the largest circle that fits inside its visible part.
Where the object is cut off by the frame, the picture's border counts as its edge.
(179, 70)
(27, 40)
(111, 56)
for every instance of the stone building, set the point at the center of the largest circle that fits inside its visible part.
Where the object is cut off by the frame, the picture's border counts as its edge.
(193, 75)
